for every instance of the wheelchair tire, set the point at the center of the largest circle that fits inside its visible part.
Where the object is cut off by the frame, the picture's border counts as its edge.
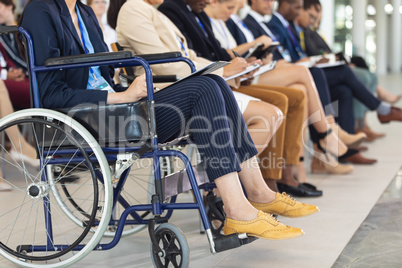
(175, 249)
(34, 229)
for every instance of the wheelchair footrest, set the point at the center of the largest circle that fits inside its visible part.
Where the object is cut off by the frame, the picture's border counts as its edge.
(232, 241)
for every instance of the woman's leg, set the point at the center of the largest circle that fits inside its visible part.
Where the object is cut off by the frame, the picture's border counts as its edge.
(262, 120)
(236, 205)
(292, 137)
(198, 104)
(210, 105)
(293, 74)
(387, 96)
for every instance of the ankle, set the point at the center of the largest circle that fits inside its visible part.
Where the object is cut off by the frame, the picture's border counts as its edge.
(244, 213)
(383, 108)
(259, 196)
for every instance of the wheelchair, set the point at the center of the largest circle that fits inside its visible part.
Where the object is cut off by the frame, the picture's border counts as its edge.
(85, 188)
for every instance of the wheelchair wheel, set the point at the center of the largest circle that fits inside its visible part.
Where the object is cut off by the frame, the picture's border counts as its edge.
(35, 230)
(174, 246)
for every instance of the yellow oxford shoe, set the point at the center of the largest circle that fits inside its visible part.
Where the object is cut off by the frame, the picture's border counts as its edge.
(286, 206)
(264, 226)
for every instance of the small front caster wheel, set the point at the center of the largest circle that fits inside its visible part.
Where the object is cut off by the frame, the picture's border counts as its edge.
(175, 251)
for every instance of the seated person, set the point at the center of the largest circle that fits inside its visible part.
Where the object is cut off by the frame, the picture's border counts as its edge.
(9, 42)
(314, 44)
(218, 13)
(13, 68)
(204, 43)
(99, 8)
(163, 36)
(200, 99)
(340, 79)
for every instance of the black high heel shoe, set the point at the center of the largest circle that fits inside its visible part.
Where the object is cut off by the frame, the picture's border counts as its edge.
(340, 158)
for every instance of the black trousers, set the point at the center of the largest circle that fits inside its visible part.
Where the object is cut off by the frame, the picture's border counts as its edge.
(344, 86)
(321, 83)
(206, 106)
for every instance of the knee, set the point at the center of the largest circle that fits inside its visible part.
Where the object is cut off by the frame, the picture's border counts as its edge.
(297, 98)
(272, 115)
(221, 83)
(342, 93)
(303, 71)
(281, 103)
(206, 86)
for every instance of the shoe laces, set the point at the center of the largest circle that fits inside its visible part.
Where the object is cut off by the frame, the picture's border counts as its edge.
(288, 199)
(272, 219)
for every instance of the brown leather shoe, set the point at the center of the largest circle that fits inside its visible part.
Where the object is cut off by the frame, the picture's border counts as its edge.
(394, 115)
(358, 159)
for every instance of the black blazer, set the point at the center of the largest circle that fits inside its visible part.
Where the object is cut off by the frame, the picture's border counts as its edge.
(257, 31)
(315, 45)
(54, 35)
(184, 19)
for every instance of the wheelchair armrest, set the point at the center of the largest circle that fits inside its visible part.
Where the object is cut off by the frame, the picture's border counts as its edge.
(8, 29)
(155, 78)
(85, 58)
(160, 56)
(165, 78)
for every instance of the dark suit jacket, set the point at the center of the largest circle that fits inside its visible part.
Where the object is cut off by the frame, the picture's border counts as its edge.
(184, 19)
(54, 35)
(315, 45)
(276, 26)
(257, 31)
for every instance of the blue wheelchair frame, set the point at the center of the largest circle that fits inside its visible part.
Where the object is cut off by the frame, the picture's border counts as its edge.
(157, 206)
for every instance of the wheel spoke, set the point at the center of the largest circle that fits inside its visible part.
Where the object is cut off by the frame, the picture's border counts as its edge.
(32, 218)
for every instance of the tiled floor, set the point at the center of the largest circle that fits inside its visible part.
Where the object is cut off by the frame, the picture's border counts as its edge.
(345, 205)
(378, 242)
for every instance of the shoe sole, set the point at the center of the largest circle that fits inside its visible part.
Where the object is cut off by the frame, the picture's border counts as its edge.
(276, 239)
(305, 215)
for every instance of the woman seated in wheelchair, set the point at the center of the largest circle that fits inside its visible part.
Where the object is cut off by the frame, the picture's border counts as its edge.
(68, 27)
